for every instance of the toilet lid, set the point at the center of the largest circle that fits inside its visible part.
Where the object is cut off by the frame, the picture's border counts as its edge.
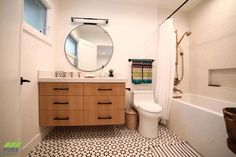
(150, 107)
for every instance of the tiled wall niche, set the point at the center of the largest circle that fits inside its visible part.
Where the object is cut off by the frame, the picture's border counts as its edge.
(222, 77)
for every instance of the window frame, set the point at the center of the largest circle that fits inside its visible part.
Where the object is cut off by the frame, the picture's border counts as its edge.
(35, 32)
(43, 9)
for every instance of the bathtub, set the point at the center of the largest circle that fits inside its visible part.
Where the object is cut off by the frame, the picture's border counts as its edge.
(199, 120)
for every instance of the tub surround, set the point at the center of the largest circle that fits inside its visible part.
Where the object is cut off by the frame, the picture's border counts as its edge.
(214, 38)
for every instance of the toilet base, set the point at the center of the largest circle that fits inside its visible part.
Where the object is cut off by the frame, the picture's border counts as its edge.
(148, 126)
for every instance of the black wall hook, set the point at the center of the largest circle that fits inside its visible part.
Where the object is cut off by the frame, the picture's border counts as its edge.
(22, 80)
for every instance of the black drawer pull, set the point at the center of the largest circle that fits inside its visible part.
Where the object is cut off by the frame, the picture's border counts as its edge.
(61, 103)
(57, 118)
(60, 88)
(105, 117)
(104, 103)
(104, 89)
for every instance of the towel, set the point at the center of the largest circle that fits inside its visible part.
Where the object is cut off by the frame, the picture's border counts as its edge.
(136, 71)
(147, 70)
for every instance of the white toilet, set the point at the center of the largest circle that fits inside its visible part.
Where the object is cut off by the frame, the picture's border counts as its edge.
(149, 112)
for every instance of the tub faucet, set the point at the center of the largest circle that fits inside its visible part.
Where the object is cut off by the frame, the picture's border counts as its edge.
(177, 90)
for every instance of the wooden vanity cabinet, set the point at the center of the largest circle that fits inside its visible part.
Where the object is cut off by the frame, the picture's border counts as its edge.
(75, 104)
(61, 104)
(104, 103)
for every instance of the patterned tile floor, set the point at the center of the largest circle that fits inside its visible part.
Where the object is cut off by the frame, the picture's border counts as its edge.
(100, 141)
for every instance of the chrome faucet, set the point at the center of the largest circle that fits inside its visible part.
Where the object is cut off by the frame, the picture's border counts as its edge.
(177, 90)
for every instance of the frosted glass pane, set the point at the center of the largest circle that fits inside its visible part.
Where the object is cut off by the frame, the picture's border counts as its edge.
(71, 46)
(35, 14)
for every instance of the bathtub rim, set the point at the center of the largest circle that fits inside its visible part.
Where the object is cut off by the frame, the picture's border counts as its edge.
(180, 100)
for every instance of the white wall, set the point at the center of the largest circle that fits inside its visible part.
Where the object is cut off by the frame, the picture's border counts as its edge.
(181, 25)
(132, 27)
(9, 67)
(36, 54)
(213, 27)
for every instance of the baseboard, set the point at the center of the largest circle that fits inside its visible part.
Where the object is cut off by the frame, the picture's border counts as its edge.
(25, 150)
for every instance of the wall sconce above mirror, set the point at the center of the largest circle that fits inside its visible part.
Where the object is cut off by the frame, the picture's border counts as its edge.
(88, 47)
(90, 21)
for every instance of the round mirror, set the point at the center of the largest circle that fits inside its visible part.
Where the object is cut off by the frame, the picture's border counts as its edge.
(88, 47)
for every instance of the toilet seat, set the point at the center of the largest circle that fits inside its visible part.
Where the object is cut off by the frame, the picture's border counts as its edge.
(150, 107)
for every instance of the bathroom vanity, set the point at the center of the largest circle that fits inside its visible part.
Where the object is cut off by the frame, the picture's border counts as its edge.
(81, 101)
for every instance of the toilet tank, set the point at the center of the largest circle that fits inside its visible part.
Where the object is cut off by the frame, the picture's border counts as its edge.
(142, 95)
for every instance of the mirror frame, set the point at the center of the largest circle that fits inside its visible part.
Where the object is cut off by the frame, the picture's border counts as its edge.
(97, 68)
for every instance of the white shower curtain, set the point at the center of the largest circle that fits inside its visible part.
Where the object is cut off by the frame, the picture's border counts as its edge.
(165, 67)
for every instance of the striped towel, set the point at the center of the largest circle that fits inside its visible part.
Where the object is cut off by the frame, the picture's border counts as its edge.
(147, 70)
(181, 149)
(137, 71)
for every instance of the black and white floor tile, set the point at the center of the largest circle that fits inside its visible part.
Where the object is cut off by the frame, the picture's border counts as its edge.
(100, 141)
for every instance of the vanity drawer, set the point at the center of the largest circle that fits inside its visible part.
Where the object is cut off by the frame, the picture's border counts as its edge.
(104, 102)
(60, 88)
(61, 103)
(61, 118)
(104, 117)
(104, 89)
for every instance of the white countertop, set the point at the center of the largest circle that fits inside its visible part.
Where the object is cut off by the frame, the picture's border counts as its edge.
(81, 79)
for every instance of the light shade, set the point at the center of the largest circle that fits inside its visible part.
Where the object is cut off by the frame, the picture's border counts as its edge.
(92, 21)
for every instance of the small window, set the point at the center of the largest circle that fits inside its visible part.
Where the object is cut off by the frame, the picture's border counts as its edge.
(35, 14)
(71, 47)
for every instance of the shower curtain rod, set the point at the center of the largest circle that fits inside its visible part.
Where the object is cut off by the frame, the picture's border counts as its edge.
(174, 11)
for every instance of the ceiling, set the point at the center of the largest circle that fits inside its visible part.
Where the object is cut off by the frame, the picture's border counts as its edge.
(168, 4)
(174, 4)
